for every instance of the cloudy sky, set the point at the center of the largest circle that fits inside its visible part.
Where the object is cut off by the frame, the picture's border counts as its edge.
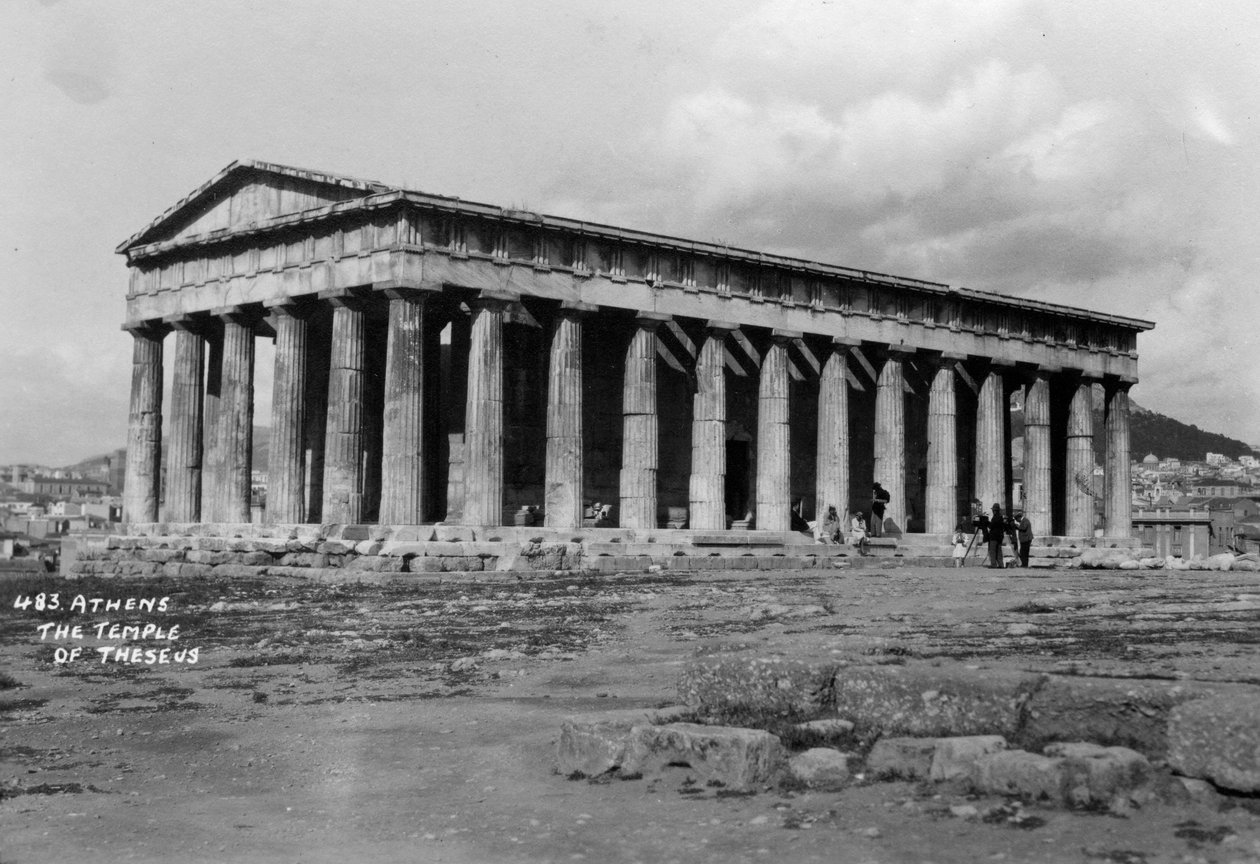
(1096, 153)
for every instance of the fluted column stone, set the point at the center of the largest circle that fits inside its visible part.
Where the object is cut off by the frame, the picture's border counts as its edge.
(483, 416)
(144, 427)
(1119, 501)
(403, 450)
(707, 486)
(1080, 461)
(831, 483)
(183, 455)
(640, 438)
(562, 493)
(1038, 483)
(344, 431)
(774, 461)
(942, 442)
(286, 464)
(991, 408)
(236, 418)
(212, 445)
(890, 437)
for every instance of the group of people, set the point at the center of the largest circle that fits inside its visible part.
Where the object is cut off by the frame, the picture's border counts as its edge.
(831, 530)
(993, 529)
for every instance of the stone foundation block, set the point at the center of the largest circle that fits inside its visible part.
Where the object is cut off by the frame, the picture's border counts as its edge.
(201, 556)
(904, 758)
(826, 732)
(754, 689)
(255, 559)
(377, 564)
(333, 547)
(1100, 775)
(1109, 711)
(161, 556)
(303, 559)
(596, 743)
(955, 758)
(1217, 739)
(424, 565)
(924, 700)
(1018, 772)
(368, 547)
(739, 759)
(238, 571)
(820, 768)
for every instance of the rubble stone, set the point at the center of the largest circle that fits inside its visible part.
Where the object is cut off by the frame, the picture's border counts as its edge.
(953, 758)
(1018, 772)
(740, 759)
(1217, 739)
(904, 758)
(820, 768)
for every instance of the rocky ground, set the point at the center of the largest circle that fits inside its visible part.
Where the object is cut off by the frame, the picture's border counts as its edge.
(417, 721)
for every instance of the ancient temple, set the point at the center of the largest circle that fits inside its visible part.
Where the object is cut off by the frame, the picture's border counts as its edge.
(442, 360)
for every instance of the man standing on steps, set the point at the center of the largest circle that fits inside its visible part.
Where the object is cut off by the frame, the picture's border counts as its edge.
(879, 498)
(1024, 533)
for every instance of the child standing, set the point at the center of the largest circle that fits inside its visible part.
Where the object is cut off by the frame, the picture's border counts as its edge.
(960, 547)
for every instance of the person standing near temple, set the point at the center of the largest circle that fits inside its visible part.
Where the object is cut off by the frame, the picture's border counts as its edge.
(1024, 534)
(879, 498)
(994, 533)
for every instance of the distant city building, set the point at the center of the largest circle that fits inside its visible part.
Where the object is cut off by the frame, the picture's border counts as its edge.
(1249, 462)
(1219, 488)
(64, 487)
(1181, 533)
(1216, 459)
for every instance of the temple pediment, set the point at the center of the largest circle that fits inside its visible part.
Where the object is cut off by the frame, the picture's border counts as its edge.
(245, 194)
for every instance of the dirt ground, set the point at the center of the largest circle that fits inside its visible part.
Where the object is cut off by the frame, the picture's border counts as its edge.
(417, 721)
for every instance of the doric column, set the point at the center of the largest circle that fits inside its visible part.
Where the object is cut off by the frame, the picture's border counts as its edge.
(774, 462)
(183, 452)
(403, 452)
(236, 417)
(144, 427)
(942, 455)
(211, 445)
(831, 483)
(991, 408)
(1038, 496)
(640, 436)
(890, 437)
(707, 487)
(286, 463)
(562, 490)
(344, 432)
(1119, 501)
(1080, 461)
(483, 415)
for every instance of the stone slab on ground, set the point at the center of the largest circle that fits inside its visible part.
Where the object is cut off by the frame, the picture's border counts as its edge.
(903, 758)
(751, 689)
(953, 758)
(1122, 712)
(820, 768)
(595, 743)
(927, 700)
(1099, 775)
(1217, 739)
(739, 759)
(1018, 772)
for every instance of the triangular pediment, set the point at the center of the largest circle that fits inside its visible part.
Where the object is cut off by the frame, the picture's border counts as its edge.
(245, 194)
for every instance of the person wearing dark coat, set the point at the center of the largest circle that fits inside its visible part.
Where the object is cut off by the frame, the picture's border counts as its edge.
(993, 536)
(1023, 535)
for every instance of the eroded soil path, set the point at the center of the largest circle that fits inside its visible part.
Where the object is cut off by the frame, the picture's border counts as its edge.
(416, 721)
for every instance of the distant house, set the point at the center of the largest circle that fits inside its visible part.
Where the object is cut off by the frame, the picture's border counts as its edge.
(1220, 488)
(64, 487)
(1181, 533)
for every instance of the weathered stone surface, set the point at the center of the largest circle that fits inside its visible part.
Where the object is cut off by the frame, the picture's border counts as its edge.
(1018, 772)
(926, 700)
(828, 731)
(1099, 775)
(955, 758)
(905, 758)
(1217, 739)
(749, 689)
(596, 743)
(740, 759)
(1109, 711)
(1106, 559)
(820, 768)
